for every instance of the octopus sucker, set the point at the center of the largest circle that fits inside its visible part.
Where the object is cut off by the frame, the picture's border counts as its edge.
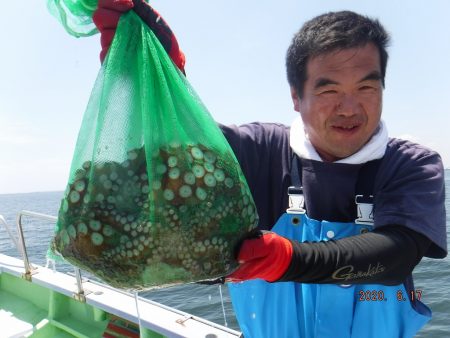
(82, 228)
(74, 196)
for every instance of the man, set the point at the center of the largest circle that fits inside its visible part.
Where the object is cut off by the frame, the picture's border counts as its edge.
(346, 270)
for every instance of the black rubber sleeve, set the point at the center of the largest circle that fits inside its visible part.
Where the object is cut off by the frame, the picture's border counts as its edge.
(385, 256)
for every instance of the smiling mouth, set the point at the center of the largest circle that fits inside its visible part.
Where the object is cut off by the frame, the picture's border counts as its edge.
(346, 128)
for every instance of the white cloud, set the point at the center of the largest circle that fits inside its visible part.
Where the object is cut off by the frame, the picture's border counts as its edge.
(15, 131)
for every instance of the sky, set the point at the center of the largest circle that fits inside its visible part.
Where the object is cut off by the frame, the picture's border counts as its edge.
(235, 53)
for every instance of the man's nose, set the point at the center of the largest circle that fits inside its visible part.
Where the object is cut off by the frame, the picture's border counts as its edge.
(348, 105)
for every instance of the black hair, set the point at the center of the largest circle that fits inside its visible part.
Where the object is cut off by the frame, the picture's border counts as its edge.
(331, 32)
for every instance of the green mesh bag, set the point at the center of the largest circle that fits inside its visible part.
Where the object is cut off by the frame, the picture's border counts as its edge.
(74, 15)
(155, 194)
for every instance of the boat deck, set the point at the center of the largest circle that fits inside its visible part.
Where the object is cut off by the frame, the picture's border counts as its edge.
(48, 306)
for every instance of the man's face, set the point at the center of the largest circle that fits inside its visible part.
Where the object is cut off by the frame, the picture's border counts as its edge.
(342, 100)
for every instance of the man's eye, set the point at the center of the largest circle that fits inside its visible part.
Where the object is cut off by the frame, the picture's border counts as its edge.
(330, 91)
(366, 88)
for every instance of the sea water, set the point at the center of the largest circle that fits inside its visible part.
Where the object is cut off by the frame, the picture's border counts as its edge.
(431, 276)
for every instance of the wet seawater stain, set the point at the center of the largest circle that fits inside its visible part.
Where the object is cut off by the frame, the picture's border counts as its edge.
(174, 217)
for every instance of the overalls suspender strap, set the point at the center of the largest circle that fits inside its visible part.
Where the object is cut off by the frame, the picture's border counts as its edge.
(366, 178)
(296, 169)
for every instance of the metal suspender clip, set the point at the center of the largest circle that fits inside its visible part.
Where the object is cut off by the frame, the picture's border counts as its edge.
(296, 200)
(364, 205)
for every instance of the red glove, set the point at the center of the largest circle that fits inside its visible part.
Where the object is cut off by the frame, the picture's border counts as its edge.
(266, 257)
(107, 16)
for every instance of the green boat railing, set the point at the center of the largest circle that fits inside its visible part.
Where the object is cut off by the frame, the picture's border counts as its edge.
(21, 246)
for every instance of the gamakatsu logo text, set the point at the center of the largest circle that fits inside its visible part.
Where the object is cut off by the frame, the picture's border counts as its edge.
(347, 272)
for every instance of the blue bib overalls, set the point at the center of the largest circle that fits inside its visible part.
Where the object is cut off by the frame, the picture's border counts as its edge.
(291, 310)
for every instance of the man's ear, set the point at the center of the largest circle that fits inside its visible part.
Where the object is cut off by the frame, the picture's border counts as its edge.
(295, 99)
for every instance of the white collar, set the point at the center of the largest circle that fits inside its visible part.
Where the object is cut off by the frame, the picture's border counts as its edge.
(372, 150)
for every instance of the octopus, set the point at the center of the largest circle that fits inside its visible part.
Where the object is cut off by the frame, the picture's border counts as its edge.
(172, 217)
